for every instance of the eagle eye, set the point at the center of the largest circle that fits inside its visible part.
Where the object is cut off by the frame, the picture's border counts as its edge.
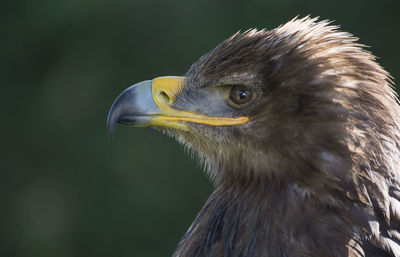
(240, 95)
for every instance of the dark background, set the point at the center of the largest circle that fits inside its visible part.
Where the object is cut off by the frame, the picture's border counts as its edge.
(65, 188)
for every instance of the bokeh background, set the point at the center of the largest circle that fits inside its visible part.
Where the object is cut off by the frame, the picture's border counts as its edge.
(65, 188)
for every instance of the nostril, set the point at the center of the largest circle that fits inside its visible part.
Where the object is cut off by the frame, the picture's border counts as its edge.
(163, 97)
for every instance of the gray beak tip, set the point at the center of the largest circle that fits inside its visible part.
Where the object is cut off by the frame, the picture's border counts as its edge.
(134, 101)
(111, 122)
(113, 117)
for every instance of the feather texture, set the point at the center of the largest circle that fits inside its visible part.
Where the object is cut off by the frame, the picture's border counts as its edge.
(316, 170)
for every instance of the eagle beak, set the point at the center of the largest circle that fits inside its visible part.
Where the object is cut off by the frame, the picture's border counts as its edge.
(148, 103)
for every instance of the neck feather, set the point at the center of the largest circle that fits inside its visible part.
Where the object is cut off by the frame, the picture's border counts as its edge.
(264, 220)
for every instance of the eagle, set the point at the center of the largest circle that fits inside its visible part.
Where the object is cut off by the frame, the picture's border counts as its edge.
(298, 127)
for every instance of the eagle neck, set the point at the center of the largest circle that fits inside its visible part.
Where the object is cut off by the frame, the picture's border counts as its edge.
(263, 220)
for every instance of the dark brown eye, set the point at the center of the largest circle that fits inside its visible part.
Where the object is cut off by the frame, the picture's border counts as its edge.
(240, 95)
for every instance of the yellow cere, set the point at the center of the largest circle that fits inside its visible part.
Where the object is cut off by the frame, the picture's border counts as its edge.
(165, 90)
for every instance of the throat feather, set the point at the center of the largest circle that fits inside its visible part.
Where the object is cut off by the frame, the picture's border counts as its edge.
(254, 221)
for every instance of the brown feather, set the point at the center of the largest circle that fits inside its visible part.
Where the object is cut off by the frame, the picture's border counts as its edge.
(315, 171)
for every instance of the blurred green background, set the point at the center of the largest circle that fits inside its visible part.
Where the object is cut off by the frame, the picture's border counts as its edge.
(66, 189)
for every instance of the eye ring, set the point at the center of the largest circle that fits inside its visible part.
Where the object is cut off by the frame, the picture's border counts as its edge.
(240, 95)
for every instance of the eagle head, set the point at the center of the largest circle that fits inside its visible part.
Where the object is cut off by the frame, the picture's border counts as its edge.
(298, 127)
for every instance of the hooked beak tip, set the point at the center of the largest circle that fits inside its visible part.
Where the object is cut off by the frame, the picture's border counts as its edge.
(112, 120)
(110, 129)
(111, 132)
